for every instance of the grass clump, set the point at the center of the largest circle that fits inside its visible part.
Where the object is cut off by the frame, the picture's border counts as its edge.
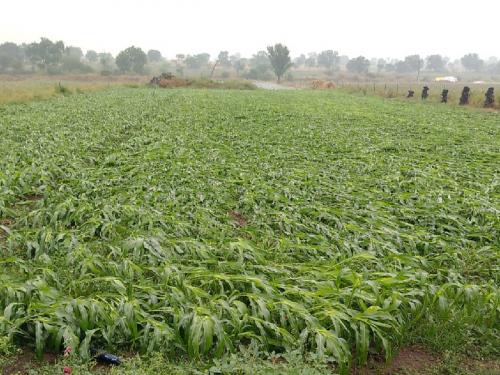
(6, 347)
(205, 83)
(63, 90)
(28, 88)
(231, 84)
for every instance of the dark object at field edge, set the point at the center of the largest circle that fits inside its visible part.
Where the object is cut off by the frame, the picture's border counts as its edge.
(489, 100)
(157, 79)
(464, 99)
(425, 92)
(444, 96)
(108, 359)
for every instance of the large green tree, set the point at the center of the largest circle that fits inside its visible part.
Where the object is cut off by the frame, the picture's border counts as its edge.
(359, 64)
(72, 60)
(223, 59)
(11, 57)
(312, 59)
(414, 63)
(300, 60)
(279, 57)
(436, 63)
(238, 63)
(45, 53)
(131, 59)
(92, 56)
(381, 65)
(198, 61)
(106, 60)
(154, 56)
(472, 62)
(329, 59)
(260, 59)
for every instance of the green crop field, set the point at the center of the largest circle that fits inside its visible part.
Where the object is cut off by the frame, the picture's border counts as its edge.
(199, 223)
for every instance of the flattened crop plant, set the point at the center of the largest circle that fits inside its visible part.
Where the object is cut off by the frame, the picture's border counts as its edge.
(195, 222)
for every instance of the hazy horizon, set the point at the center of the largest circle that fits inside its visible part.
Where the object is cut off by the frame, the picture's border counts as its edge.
(387, 28)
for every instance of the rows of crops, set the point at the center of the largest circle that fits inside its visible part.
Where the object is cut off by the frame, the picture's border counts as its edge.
(197, 221)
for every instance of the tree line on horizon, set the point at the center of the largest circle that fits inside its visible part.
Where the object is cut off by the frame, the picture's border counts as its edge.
(54, 57)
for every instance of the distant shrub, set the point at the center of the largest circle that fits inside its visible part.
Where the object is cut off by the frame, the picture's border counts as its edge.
(106, 73)
(74, 65)
(61, 89)
(133, 85)
(320, 84)
(258, 73)
(205, 83)
(235, 84)
(132, 59)
(173, 82)
(54, 70)
(225, 74)
(391, 94)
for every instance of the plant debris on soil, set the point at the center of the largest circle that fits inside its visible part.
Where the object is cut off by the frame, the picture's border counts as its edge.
(238, 218)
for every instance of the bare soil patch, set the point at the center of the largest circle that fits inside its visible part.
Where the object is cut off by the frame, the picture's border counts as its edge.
(413, 360)
(26, 361)
(484, 366)
(238, 218)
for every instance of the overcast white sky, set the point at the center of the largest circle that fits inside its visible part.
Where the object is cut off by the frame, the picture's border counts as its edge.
(373, 28)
